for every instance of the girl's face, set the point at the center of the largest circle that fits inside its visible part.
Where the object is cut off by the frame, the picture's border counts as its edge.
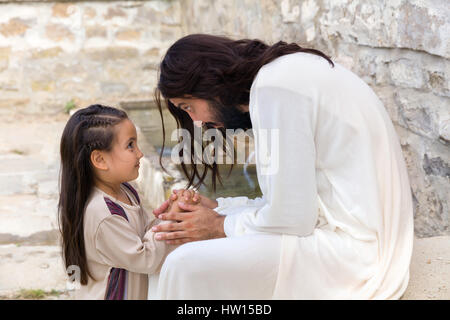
(123, 159)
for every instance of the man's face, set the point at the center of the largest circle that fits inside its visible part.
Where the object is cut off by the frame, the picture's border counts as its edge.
(198, 110)
(214, 114)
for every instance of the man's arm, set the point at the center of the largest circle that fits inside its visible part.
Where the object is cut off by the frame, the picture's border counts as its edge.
(283, 126)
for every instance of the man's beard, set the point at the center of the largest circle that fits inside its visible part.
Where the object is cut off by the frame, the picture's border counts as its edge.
(228, 117)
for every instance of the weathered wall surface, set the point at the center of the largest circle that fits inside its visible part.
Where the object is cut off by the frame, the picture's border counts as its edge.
(400, 48)
(102, 51)
(107, 51)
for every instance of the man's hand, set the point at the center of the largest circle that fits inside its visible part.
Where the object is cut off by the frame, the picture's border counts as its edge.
(197, 223)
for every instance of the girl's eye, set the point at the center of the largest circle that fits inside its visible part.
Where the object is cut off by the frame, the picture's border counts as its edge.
(130, 145)
(186, 108)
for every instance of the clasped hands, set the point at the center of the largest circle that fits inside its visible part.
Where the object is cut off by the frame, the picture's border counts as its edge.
(193, 218)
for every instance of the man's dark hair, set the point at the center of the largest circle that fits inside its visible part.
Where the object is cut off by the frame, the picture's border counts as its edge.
(219, 70)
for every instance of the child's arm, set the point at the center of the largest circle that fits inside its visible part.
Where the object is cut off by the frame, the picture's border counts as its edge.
(120, 246)
(185, 196)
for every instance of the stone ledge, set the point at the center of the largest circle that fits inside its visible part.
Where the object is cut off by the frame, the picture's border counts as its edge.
(138, 105)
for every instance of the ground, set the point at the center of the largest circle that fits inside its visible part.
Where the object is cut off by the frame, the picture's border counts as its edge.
(430, 270)
(31, 265)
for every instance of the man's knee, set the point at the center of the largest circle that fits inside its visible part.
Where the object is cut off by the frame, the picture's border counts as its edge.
(177, 256)
(183, 261)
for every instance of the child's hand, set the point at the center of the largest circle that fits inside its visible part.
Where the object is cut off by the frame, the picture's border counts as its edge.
(186, 196)
(196, 198)
(165, 205)
(199, 199)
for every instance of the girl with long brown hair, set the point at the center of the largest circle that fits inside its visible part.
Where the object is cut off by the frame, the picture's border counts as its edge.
(106, 236)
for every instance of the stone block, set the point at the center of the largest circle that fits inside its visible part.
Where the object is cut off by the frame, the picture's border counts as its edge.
(116, 73)
(422, 113)
(89, 12)
(58, 32)
(3, 64)
(169, 33)
(406, 73)
(172, 15)
(402, 24)
(115, 12)
(153, 53)
(14, 27)
(48, 189)
(147, 16)
(65, 70)
(4, 53)
(151, 66)
(4, 58)
(13, 103)
(424, 27)
(289, 14)
(14, 184)
(427, 166)
(43, 85)
(111, 53)
(46, 53)
(397, 67)
(20, 174)
(114, 87)
(9, 85)
(436, 166)
(444, 130)
(439, 81)
(26, 225)
(96, 31)
(63, 10)
(128, 35)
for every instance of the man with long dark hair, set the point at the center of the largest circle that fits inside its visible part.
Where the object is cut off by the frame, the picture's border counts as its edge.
(335, 219)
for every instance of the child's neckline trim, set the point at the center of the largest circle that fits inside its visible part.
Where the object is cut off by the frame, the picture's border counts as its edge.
(134, 205)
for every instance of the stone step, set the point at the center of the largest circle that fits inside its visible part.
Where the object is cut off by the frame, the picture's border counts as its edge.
(28, 219)
(31, 267)
(47, 237)
(25, 175)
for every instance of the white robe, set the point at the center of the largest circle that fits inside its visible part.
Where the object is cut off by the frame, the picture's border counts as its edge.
(335, 220)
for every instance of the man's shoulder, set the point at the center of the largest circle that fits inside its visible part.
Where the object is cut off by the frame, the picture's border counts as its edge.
(292, 69)
(294, 60)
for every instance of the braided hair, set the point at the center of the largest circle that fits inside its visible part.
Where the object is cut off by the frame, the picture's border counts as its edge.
(88, 129)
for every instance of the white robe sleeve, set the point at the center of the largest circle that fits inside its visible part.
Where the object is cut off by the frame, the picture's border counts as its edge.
(283, 126)
(225, 203)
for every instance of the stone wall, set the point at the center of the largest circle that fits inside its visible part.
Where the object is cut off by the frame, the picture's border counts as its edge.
(400, 48)
(108, 51)
(88, 52)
